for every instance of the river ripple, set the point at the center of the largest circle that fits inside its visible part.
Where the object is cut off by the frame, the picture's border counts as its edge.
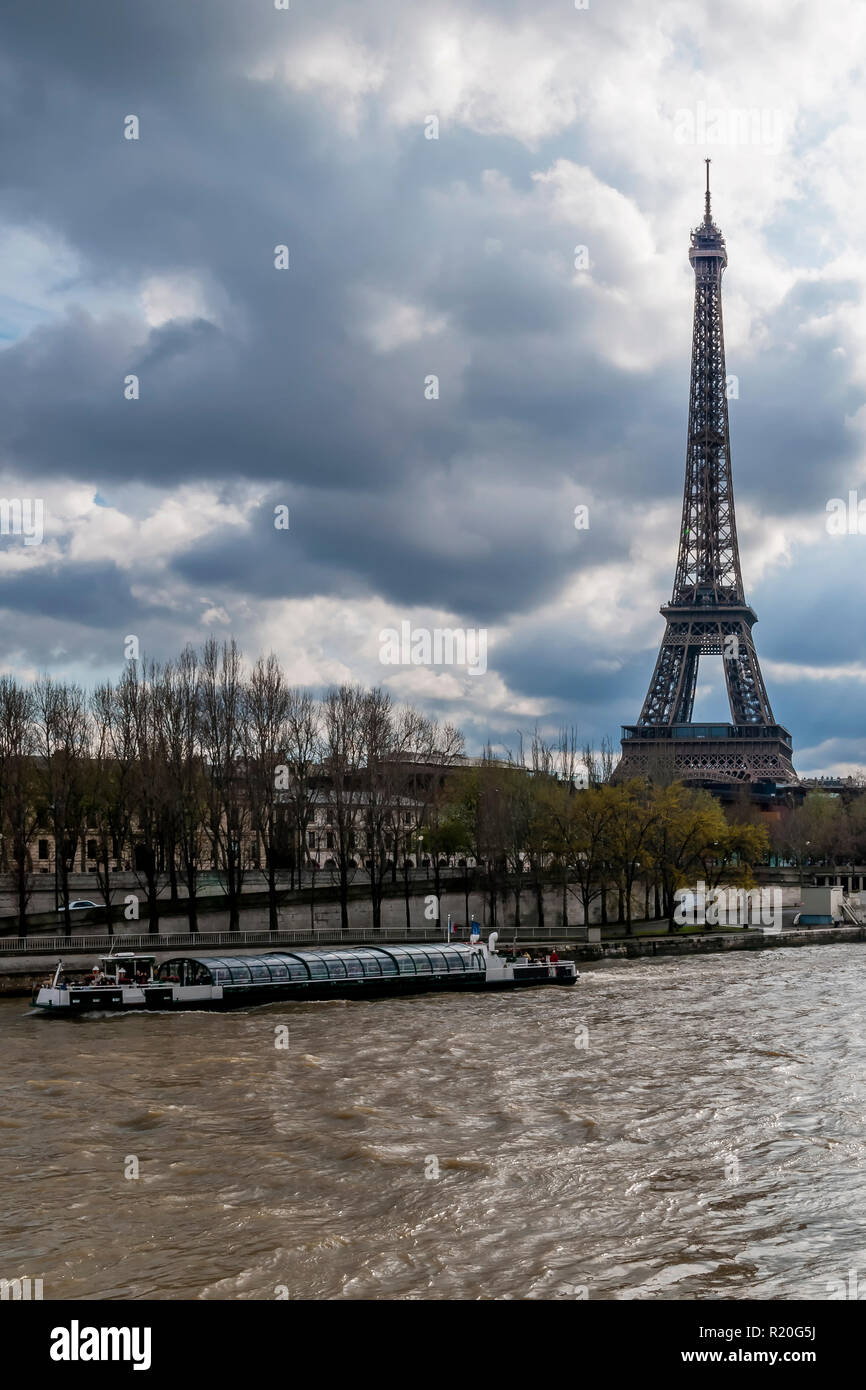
(707, 1141)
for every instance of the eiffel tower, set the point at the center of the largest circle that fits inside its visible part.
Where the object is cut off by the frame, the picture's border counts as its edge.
(708, 613)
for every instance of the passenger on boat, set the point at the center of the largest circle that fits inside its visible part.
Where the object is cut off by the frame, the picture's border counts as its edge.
(554, 958)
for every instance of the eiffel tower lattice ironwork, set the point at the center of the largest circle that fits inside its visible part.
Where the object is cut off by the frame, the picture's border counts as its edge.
(708, 613)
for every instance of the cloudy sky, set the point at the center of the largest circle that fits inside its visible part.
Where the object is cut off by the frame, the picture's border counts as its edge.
(560, 385)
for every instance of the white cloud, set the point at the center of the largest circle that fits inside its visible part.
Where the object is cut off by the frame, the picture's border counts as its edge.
(389, 322)
(181, 295)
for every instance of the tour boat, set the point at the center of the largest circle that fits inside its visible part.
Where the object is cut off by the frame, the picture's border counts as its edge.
(127, 980)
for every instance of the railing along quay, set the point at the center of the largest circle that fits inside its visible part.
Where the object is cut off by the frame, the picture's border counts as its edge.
(150, 942)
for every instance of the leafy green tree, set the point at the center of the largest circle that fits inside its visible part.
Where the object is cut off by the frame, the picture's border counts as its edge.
(634, 817)
(688, 819)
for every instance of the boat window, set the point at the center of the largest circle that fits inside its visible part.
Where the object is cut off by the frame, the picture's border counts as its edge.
(239, 970)
(303, 965)
(437, 961)
(335, 965)
(387, 964)
(197, 973)
(219, 970)
(316, 967)
(403, 959)
(296, 969)
(371, 962)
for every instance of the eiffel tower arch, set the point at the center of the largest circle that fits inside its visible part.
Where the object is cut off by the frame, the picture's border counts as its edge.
(708, 614)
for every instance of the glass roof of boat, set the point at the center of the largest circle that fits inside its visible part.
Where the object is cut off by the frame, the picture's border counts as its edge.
(338, 964)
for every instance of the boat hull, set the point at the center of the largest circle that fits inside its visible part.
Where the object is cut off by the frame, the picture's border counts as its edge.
(167, 997)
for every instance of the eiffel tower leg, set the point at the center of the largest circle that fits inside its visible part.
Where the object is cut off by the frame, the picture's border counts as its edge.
(747, 693)
(665, 684)
(685, 701)
(671, 696)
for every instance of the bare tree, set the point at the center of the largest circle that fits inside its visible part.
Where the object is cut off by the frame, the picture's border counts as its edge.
(437, 748)
(399, 746)
(223, 712)
(19, 789)
(379, 778)
(264, 736)
(143, 692)
(178, 719)
(113, 774)
(344, 748)
(62, 734)
(303, 756)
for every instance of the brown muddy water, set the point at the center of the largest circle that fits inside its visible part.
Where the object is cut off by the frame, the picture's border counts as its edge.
(679, 1129)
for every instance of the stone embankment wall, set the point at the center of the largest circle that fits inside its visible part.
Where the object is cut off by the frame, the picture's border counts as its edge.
(712, 943)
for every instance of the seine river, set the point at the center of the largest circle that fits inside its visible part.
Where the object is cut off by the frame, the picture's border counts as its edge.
(682, 1129)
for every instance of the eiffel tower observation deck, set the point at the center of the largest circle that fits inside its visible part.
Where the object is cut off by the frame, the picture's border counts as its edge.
(708, 614)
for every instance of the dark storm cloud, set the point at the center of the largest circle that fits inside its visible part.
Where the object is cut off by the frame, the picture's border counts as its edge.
(420, 502)
(497, 565)
(285, 388)
(563, 664)
(97, 595)
(797, 623)
(791, 436)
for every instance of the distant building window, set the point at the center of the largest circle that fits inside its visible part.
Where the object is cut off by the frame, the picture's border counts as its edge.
(92, 849)
(43, 849)
(311, 839)
(329, 838)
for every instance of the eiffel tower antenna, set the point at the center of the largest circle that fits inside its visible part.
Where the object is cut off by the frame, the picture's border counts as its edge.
(708, 614)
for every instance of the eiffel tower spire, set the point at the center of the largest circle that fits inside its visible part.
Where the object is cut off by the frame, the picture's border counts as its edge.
(708, 613)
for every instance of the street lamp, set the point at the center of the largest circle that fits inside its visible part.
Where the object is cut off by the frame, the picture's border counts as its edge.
(806, 846)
